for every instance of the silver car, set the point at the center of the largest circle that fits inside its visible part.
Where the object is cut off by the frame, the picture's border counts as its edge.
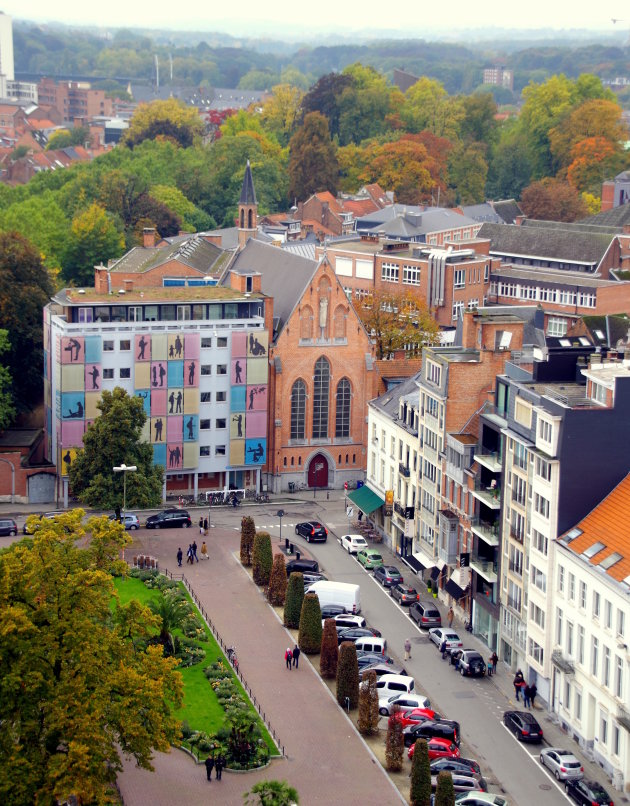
(562, 763)
(438, 634)
(129, 520)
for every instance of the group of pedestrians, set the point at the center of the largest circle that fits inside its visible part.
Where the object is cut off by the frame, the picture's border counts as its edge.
(292, 657)
(191, 553)
(217, 764)
(203, 526)
(528, 691)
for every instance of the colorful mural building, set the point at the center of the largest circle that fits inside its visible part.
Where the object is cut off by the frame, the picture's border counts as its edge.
(195, 355)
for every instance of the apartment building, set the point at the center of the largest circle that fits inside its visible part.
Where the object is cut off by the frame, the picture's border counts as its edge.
(74, 100)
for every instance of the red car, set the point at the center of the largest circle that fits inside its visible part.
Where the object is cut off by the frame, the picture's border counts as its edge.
(438, 748)
(413, 715)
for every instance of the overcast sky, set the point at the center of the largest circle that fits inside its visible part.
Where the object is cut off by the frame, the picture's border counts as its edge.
(408, 15)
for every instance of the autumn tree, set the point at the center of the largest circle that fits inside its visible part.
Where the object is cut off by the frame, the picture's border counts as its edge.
(77, 136)
(170, 119)
(281, 112)
(324, 97)
(329, 653)
(401, 166)
(312, 159)
(428, 106)
(248, 533)
(420, 785)
(596, 118)
(348, 676)
(592, 161)
(363, 105)
(397, 321)
(7, 406)
(552, 200)
(94, 238)
(394, 742)
(82, 682)
(114, 438)
(277, 591)
(368, 705)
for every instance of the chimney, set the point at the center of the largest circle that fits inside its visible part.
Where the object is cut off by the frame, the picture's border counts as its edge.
(101, 279)
(148, 235)
(128, 284)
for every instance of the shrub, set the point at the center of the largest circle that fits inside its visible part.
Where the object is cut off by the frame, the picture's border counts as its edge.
(368, 705)
(277, 591)
(330, 650)
(293, 602)
(348, 676)
(394, 743)
(262, 558)
(420, 790)
(248, 532)
(445, 792)
(310, 635)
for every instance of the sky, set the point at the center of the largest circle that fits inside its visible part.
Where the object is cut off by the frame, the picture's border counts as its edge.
(406, 15)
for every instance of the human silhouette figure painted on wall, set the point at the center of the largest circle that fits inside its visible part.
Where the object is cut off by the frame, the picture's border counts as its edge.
(191, 373)
(158, 430)
(75, 415)
(174, 457)
(190, 426)
(238, 419)
(171, 352)
(142, 344)
(95, 376)
(162, 372)
(255, 347)
(178, 407)
(238, 369)
(257, 453)
(171, 401)
(252, 395)
(178, 347)
(67, 460)
(73, 346)
(154, 372)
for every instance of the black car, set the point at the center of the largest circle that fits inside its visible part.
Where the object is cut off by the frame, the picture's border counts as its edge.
(304, 566)
(353, 633)
(169, 519)
(462, 766)
(383, 668)
(588, 793)
(523, 725)
(312, 531)
(471, 663)
(330, 611)
(370, 659)
(432, 728)
(310, 577)
(388, 575)
(8, 527)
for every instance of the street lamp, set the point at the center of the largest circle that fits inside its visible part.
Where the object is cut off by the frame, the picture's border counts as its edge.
(280, 514)
(124, 469)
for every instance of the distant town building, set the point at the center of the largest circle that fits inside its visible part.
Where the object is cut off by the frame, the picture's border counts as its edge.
(499, 77)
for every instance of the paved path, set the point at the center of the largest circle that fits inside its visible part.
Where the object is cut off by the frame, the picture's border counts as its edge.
(326, 762)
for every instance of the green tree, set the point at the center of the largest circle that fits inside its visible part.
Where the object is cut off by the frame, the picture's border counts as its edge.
(363, 105)
(324, 97)
(277, 591)
(281, 112)
(348, 676)
(468, 171)
(427, 105)
(64, 138)
(271, 793)
(329, 653)
(310, 630)
(7, 407)
(25, 287)
(479, 123)
(170, 119)
(420, 788)
(192, 218)
(262, 558)
(312, 159)
(258, 80)
(293, 602)
(368, 705)
(40, 219)
(545, 105)
(80, 686)
(114, 438)
(394, 742)
(552, 200)
(248, 533)
(445, 792)
(94, 238)
(510, 169)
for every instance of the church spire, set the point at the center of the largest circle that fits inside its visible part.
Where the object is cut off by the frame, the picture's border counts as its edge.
(247, 209)
(248, 192)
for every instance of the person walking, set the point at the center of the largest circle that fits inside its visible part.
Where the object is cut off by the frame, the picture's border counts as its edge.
(180, 556)
(204, 551)
(220, 764)
(288, 657)
(189, 554)
(450, 617)
(194, 550)
(518, 683)
(526, 696)
(494, 659)
(200, 526)
(533, 690)
(407, 649)
(443, 648)
(205, 526)
(296, 655)
(209, 762)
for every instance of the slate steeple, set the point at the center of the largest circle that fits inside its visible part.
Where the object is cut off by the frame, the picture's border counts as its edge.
(247, 209)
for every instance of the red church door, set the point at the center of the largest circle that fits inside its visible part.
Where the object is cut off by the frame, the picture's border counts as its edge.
(318, 471)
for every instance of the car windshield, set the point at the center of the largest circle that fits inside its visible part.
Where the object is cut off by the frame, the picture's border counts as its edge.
(598, 791)
(375, 557)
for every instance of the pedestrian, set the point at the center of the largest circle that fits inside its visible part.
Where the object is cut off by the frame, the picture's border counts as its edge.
(200, 526)
(407, 649)
(180, 556)
(220, 764)
(518, 683)
(443, 648)
(494, 659)
(450, 617)
(533, 690)
(189, 554)
(209, 766)
(194, 549)
(526, 696)
(288, 657)
(296, 655)
(204, 551)
(205, 526)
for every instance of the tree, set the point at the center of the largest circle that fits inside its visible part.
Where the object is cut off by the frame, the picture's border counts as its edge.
(348, 676)
(94, 238)
(248, 533)
(324, 96)
(115, 437)
(420, 789)
(394, 742)
(172, 612)
(310, 634)
(312, 159)
(64, 138)
(271, 793)
(281, 112)
(479, 123)
(368, 705)
(445, 792)
(82, 683)
(170, 119)
(191, 217)
(262, 558)
(552, 200)
(25, 287)
(329, 653)
(545, 105)
(428, 106)
(40, 219)
(595, 118)
(7, 408)
(277, 591)
(594, 160)
(468, 171)
(509, 170)
(402, 166)
(397, 321)
(363, 105)
(293, 602)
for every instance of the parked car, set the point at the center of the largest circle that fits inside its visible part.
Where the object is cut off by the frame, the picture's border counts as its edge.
(8, 527)
(461, 782)
(352, 633)
(129, 519)
(425, 614)
(352, 543)
(384, 669)
(311, 576)
(460, 765)
(589, 793)
(331, 611)
(438, 634)
(433, 728)
(471, 663)
(386, 703)
(348, 621)
(523, 725)
(303, 566)
(404, 594)
(438, 748)
(169, 520)
(480, 799)
(415, 715)
(562, 763)
(369, 559)
(369, 659)
(395, 684)
(388, 575)
(312, 531)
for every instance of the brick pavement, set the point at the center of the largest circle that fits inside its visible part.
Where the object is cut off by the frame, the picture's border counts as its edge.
(327, 761)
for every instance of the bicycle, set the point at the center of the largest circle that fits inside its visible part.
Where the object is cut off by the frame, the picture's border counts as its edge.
(262, 498)
(250, 493)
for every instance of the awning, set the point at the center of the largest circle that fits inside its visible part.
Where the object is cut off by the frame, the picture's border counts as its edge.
(412, 563)
(461, 577)
(435, 572)
(453, 588)
(367, 500)
(424, 559)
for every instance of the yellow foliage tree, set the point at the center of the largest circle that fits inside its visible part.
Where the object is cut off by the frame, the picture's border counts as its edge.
(170, 119)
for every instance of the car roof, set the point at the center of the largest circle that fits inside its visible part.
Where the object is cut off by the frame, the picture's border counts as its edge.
(389, 568)
(524, 715)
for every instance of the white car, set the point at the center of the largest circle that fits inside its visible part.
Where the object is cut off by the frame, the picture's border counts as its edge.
(480, 798)
(404, 701)
(562, 763)
(352, 543)
(439, 634)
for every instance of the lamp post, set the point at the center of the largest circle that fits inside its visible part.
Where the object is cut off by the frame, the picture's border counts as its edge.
(124, 469)
(280, 514)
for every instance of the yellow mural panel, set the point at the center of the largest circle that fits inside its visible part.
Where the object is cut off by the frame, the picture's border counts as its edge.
(191, 401)
(237, 452)
(159, 347)
(142, 375)
(191, 454)
(72, 377)
(91, 401)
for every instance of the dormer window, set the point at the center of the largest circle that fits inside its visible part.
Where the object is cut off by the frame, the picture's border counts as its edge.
(598, 393)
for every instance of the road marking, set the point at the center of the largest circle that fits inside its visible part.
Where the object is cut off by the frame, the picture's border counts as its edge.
(539, 766)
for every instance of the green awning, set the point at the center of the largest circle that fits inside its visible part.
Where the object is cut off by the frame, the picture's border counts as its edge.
(366, 499)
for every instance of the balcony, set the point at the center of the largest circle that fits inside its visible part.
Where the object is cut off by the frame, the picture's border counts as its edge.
(486, 568)
(488, 532)
(561, 662)
(492, 461)
(404, 470)
(490, 496)
(623, 718)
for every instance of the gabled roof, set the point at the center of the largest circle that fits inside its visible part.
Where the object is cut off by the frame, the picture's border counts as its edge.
(193, 251)
(507, 209)
(389, 402)
(248, 192)
(617, 217)
(412, 220)
(482, 212)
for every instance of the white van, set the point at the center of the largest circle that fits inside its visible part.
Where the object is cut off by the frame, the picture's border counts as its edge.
(369, 643)
(344, 594)
(395, 684)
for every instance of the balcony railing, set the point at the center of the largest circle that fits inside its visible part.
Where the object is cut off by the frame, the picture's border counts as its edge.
(404, 470)
(488, 532)
(491, 460)
(516, 568)
(515, 604)
(561, 662)
(491, 496)
(487, 568)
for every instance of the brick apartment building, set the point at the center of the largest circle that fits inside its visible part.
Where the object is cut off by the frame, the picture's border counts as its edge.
(73, 100)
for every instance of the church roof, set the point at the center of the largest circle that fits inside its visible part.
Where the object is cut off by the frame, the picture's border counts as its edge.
(248, 193)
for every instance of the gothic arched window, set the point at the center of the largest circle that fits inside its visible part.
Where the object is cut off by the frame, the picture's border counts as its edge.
(298, 409)
(342, 415)
(321, 391)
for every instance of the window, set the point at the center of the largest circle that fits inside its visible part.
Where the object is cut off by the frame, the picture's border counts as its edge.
(108, 374)
(545, 430)
(219, 450)
(523, 412)
(570, 638)
(596, 604)
(580, 644)
(558, 626)
(571, 587)
(108, 346)
(608, 614)
(519, 490)
(618, 677)
(540, 542)
(537, 615)
(124, 346)
(125, 373)
(222, 341)
(389, 272)
(459, 278)
(582, 595)
(621, 623)
(321, 388)
(135, 314)
(204, 425)
(220, 422)
(85, 315)
(616, 740)
(183, 313)
(411, 275)
(594, 656)
(520, 456)
(598, 392)
(603, 727)
(536, 651)
(606, 667)
(221, 397)
(541, 505)
(578, 705)
(556, 326)
(567, 694)
(206, 369)
(206, 397)
(457, 312)
(221, 369)
(434, 372)
(538, 578)
(543, 469)
(204, 450)
(516, 561)
(206, 342)
(515, 595)
(561, 579)
(298, 410)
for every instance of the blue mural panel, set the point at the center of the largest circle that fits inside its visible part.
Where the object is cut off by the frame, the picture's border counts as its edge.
(175, 374)
(159, 455)
(145, 395)
(73, 406)
(191, 428)
(255, 451)
(237, 398)
(93, 348)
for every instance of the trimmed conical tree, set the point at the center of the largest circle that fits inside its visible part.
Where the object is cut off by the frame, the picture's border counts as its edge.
(420, 789)
(329, 654)
(248, 532)
(368, 705)
(445, 792)
(262, 558)
(394, 743)
(310, 635)
(293, 602)
(277, 591)
(348, 676)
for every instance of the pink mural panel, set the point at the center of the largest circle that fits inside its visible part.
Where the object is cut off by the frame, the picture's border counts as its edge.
(175, 456)
(174, 429)
(191, 372)
(239, 344)
(72, 350)
(158, 402)
(238, 371)
(72, 434)
(158, 375)
(256, 398)
(192, 345)
(256, 424)
(92, 377)
(143, 348)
